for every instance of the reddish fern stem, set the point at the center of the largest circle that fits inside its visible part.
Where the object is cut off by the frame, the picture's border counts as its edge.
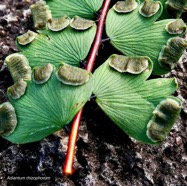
(98, 37)
(68, 165)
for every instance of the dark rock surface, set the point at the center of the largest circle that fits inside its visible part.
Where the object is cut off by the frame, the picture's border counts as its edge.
(105, 155)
